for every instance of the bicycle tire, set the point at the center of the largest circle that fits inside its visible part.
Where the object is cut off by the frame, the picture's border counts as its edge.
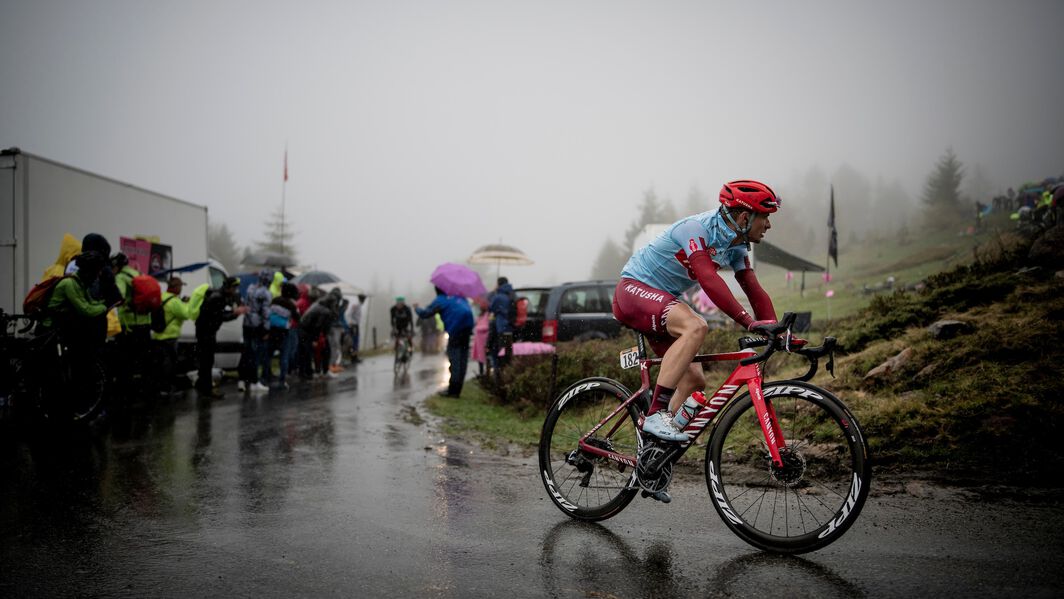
(592, 488)
(824, 484)
(72, 390)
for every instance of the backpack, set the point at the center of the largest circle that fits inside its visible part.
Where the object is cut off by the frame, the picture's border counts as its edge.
(158, 316)
(147, 295)
(520, 312)
(37, 299)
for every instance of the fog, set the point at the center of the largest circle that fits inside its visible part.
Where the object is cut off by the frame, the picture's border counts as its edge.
(418, 131)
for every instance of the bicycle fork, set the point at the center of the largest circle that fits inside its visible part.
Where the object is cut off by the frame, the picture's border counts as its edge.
(766, 417)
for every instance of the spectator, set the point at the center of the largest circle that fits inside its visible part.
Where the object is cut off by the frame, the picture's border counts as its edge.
(284, 319)
(175, 311)
(71, 308)
(427, 328)
(501, 334)
(480, 337)
(336, 332)
(254, 362)
(219, 305)
(134, 342)
(354, 321)
(458, 322)
(317, 320)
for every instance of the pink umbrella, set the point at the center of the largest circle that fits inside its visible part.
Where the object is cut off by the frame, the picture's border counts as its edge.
(456, 279)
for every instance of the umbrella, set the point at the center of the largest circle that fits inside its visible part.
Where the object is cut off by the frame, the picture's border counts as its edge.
(180, 269)
(268, 259)
(316, 278)
(499, 254)
(455, 279)
(346, 289)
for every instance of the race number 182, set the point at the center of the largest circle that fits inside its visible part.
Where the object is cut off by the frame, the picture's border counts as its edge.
(630, 357)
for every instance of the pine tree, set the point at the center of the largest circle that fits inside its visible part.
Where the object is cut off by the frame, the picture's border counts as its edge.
(222, 247)
(697, 202)
(942, 195)
(651, 211)
(610, 261)
(278, 236)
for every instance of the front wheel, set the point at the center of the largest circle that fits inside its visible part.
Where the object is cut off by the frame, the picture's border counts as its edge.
(587, 486)
(815, 496)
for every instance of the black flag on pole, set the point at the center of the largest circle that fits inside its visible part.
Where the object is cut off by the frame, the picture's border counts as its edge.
(833, 243)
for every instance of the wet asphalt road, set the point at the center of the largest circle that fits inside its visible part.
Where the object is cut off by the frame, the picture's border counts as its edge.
(339, 489)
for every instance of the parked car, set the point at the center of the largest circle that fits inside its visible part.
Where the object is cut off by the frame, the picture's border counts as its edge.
(575, 311)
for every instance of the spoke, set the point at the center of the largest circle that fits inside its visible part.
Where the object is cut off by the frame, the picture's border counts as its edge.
(801, 518)
(808, 511)
(757, 515)
(748, 489)
(836, 493)
(786, 513)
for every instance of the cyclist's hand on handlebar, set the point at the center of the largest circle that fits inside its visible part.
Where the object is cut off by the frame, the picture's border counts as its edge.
(763, 327)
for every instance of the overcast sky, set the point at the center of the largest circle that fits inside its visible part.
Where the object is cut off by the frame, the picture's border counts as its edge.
(418, 131)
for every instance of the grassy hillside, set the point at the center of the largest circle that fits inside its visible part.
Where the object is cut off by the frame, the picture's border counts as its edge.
(984, 404)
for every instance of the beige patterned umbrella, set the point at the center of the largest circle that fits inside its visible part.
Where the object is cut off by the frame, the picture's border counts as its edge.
(499, 254)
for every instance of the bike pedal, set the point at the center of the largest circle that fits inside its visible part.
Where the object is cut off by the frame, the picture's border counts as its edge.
(661, 496)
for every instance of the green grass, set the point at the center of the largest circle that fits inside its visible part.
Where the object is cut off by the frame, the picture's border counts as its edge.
(478, 416)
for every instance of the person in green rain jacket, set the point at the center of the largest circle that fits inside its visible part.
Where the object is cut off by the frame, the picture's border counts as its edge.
(177, 311)
(138, 324)
(71, 309)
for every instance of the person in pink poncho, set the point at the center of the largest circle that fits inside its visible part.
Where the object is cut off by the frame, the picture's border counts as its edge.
(480, 336)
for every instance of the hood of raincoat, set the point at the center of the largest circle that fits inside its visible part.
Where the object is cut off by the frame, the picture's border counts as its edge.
(275, 286)
(68, 248)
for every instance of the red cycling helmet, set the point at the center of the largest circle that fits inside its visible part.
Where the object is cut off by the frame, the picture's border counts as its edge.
(749, 194)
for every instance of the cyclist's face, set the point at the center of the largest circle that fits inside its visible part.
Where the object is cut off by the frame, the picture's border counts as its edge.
(758, 228)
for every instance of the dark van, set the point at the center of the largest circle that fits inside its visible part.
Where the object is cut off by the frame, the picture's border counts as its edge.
(577, 311)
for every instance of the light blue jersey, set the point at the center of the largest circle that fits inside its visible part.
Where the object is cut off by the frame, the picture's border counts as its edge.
(663, 263)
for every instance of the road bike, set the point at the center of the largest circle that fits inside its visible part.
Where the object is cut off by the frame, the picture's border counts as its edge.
(404, 349)
(786, 464)
(43, 374)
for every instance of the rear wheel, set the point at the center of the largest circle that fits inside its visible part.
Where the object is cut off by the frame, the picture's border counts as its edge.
(815, 496)
(581, 484)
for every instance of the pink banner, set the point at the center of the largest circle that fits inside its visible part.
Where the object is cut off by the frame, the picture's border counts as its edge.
(138, 251)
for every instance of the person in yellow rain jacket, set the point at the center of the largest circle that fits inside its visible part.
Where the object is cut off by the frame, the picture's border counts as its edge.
(68, 248)
(275, 286)
(176, 311)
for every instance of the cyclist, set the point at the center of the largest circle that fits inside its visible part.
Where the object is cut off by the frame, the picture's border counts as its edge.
(402, 321)
(693, 249)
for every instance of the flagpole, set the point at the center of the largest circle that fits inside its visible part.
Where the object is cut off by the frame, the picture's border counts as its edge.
(284, 189)
(832, 246)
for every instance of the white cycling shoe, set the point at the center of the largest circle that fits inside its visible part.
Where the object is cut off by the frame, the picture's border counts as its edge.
(661, 425)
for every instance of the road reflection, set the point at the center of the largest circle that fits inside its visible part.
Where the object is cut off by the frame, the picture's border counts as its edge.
(583, 559)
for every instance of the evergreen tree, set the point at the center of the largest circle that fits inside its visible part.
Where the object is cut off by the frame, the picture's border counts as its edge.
(610, 261)
(697, 202)
(278, 236)
(942, 195)
(222, 247)
(651, 211)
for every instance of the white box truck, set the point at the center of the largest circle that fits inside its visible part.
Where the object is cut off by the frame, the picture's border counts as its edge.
(41, 199)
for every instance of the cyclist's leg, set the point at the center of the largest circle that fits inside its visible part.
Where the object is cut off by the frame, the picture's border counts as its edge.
(689, 329)
(692, 380)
